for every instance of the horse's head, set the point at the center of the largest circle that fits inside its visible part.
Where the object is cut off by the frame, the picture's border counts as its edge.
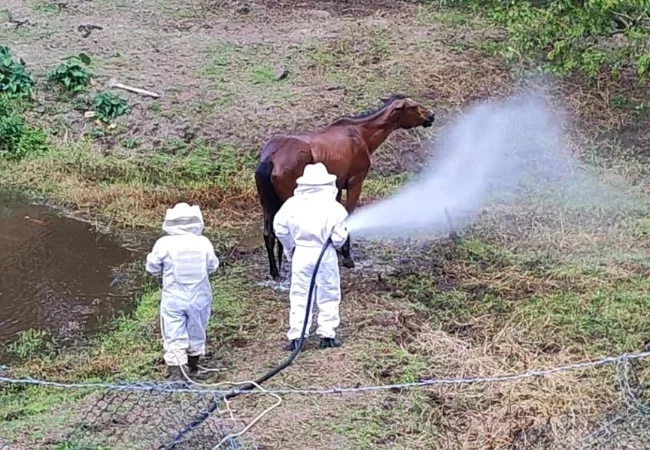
(410, 114)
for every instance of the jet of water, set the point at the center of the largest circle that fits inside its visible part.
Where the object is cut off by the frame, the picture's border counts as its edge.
(485, 155)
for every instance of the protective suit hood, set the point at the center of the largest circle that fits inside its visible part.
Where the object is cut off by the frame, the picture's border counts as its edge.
(316, 181)
(183, 219)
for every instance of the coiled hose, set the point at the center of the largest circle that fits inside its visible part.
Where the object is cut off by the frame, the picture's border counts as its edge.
(287, 362)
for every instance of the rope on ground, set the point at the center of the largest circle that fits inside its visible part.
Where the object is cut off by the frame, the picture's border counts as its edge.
(228, 409)
(170, 387)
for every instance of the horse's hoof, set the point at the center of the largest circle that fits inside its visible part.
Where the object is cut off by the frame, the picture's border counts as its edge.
(348, 264)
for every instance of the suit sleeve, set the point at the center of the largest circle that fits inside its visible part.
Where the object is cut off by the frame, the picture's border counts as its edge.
(213, 261)
(340, 227)
(282, 229)
(155, 259)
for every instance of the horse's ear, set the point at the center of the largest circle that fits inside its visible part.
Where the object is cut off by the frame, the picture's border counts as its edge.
(400, 104)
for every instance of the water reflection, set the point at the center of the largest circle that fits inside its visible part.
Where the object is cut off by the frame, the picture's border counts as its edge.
(55, 272)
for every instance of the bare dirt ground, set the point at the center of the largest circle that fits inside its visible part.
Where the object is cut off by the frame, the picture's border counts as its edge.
(231, 74)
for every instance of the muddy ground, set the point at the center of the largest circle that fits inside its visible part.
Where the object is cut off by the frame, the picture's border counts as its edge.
(529, 287)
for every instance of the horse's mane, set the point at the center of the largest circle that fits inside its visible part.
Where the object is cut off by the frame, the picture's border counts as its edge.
(364, 114)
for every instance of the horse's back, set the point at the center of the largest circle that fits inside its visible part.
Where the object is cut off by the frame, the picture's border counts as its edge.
(338, 148)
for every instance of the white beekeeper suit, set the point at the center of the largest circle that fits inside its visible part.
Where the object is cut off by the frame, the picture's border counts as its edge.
(304, 223)
(185, 258)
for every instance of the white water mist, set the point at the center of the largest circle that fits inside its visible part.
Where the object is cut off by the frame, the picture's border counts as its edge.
(487, 154)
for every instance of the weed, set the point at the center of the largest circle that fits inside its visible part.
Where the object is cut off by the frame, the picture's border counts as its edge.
(73, 74)
(15, 81)
(224, 57)
(262, 75)
(155, 107)
(131, 143)
(30, 343)
(47, 7)
(109, 106)
(174, 146)
(18, 140)
(97, 133)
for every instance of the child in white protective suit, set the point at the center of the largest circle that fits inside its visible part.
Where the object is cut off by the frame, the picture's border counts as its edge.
(302, 226)
(185, 258)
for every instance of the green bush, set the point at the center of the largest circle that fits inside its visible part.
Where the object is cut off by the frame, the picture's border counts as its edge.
(109, 106)
(15, 81)
(73, 74)
(567, 35)
(17, 139)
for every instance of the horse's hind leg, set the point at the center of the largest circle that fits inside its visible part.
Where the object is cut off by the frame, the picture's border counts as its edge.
(269, 242)
(280, 253)
(348, 262)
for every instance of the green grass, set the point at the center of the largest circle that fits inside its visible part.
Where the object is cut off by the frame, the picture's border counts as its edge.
(380, 186)
(46, 7)
(609, 319)
(30, 408)
(73, 173)
(237, 73)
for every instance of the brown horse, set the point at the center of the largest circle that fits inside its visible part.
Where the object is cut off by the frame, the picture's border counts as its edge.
(344, 147)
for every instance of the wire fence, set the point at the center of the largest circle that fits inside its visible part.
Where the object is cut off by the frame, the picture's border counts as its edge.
(151, 419)
(133, 419)
(188, 416)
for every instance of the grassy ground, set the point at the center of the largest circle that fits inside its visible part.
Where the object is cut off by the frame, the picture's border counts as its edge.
(526, 288)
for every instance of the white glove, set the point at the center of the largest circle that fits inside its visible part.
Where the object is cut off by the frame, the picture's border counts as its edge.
(288, 255)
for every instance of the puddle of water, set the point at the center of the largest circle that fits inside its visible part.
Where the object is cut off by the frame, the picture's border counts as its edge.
(57, 274)
(283, 285)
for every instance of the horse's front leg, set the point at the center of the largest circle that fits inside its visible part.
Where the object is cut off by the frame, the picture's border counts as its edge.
(351, 199)
(345, 250)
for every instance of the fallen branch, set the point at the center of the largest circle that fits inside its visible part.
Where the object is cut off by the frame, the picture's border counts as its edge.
(87, 29)
(113, 84)
(17, 23)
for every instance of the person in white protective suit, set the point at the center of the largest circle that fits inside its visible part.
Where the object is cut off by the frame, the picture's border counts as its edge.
(184, 258)
(302, 226)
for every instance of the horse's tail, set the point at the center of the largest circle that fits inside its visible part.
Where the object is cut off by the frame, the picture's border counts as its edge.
(269, 198)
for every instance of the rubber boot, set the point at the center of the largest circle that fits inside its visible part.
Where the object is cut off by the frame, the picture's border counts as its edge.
(292, 345)
(329, 343)
(193, 364)
(174, 374)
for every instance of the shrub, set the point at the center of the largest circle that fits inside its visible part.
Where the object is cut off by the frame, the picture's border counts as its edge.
(15, 81)
(566, 35)
(17, 139)
(109, 106)
(73, 74)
